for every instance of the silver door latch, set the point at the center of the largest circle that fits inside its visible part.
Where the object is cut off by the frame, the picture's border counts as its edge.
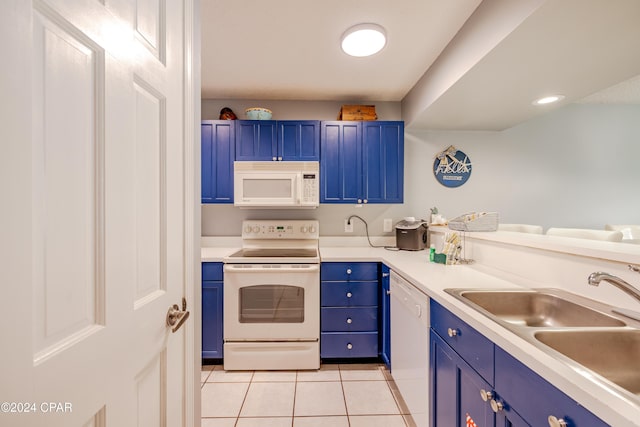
(176, 317)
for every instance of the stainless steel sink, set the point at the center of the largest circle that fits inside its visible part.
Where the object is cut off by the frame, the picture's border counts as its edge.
(535, 308)
(616, 357)
(588, 335)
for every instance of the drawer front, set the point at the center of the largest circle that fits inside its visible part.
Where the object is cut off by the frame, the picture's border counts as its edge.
(534, 397)
(349, 319)
(474, 347)
(212, 271)
(357, 344)
(348, 294)
(346, 271)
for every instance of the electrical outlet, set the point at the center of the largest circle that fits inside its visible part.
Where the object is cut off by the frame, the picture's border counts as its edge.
(348, 228)
(386, 225)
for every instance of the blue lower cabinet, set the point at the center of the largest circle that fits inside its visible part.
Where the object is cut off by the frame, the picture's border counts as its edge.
(212, 293)
(352, 345)
(349, 320)
(456, 388)
(464, 383)
(535, 398)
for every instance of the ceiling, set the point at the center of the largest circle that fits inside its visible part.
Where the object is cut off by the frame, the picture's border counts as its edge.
(455, 64)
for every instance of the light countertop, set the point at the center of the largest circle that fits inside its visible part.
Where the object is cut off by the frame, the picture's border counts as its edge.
(432, 279)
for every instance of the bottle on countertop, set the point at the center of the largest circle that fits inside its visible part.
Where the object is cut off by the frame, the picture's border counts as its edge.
(432, 252)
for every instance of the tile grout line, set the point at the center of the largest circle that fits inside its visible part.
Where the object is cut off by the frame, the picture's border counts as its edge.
(244, 399)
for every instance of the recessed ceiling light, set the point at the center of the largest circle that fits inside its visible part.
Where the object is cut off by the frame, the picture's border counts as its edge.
(548, 99)
(363, 40)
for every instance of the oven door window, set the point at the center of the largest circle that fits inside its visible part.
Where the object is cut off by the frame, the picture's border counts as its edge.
(271, 304)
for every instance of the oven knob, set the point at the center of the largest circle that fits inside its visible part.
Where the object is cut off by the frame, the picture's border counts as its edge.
(247, 229)
(312, 229)
(256, 229)
(303, 228)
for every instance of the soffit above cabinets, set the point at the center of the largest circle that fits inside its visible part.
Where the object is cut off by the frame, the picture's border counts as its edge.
(570, 47)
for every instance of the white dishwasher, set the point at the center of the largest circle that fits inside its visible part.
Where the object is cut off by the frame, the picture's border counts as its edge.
(410, 346)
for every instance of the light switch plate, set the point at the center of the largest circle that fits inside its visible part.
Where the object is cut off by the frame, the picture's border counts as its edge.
(386, 226)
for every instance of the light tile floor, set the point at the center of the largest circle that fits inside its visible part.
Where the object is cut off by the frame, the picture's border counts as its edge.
(357, 395)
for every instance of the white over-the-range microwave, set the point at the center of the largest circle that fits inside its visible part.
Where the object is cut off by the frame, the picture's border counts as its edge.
(276, 184)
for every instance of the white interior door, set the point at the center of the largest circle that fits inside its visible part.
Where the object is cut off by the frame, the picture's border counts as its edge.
(93, 218)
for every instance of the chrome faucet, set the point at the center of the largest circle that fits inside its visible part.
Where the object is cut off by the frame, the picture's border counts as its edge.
(595, 279)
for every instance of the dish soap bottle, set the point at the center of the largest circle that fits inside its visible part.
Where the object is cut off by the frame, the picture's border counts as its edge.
(432, 252)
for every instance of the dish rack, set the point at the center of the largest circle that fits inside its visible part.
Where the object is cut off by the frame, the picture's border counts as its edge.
(475, 221)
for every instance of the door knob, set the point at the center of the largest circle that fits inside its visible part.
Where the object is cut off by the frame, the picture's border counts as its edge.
(177, 317)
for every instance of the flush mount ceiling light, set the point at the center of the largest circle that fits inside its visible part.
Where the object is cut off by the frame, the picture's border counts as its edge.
(363, 40)
(548, 99)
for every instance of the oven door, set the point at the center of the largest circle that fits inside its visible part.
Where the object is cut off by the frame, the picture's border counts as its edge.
(271, 302)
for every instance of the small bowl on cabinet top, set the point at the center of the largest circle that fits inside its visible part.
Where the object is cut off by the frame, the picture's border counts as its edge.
(258, 113)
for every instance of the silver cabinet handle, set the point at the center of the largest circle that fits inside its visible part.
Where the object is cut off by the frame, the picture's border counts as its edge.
(366, 201)
(349, 320)
(385, 275)
(452, 332)
(279, 158)
(274, 159)
(349, 294)
(359, 200)
(177, 317)
(486, 395)
(496, 406)
(348, 271)
(554, 422)
(388, 292)
(349, 346)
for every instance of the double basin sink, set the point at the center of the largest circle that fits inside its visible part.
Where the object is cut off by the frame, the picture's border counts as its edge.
(585, 333)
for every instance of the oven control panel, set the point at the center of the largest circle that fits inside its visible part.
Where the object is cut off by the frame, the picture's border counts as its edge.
(280, 229)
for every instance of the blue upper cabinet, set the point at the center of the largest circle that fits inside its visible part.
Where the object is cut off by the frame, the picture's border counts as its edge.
(299, 140)
(362, 162)
(269, 140)
(383, 157)
(341, 162)
(217, 155)
(256, 140)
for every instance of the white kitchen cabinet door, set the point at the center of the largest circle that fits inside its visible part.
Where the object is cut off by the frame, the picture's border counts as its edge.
(93, 216)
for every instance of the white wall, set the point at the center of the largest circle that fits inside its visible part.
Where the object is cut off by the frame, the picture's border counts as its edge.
(576, 167)
(296, 110)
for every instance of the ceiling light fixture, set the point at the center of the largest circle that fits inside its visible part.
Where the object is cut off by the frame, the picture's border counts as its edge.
(548, 99)
(363, 40)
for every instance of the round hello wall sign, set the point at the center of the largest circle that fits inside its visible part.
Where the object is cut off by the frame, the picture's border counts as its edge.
(452, 167)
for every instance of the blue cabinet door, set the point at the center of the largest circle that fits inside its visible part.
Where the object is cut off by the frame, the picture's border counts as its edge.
(299, 140)
(385, 317)
(362, 162)
(383, 156)
(534, 398)
(341, 162)
(212, 339)
(256, 140)
(217, 156)
(455, 389)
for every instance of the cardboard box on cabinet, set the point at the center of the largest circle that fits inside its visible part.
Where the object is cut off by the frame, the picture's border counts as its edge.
(358, 112)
